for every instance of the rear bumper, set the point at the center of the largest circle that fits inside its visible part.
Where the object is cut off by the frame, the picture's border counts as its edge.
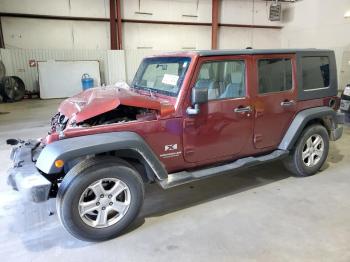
(24, 176)
(345, 105)
(337, 132)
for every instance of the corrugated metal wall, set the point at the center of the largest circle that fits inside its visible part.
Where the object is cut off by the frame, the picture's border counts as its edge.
(133, 59)
(115, 65)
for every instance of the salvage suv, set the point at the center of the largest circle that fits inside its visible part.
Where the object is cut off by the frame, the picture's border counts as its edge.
(186, 116)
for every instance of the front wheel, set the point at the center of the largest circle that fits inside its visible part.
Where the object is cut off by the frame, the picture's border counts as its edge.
(99, 198)
(310, 151)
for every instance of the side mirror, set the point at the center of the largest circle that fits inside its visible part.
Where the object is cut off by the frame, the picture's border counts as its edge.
(199, 96)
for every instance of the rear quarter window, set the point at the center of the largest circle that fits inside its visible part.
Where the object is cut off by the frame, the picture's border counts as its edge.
(315, 70)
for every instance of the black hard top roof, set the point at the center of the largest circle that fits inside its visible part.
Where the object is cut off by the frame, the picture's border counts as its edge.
(256, 51)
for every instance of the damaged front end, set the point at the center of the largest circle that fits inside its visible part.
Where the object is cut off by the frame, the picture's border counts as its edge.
(107, 105)
(58, 123)
(121, 114)
(23, 176)
(87, 110)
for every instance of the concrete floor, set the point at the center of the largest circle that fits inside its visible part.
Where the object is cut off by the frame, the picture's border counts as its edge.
(262, 213)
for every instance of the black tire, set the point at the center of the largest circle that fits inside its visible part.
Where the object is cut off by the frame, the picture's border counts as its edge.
(12, 88)
(294, 162)
(78, 180)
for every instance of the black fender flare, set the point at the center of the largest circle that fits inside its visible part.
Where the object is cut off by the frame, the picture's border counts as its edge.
(72, 148)
(326, 115)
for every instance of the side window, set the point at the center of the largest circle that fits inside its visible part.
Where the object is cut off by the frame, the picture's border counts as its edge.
(275, 75)
(315, 72)
(224, 79)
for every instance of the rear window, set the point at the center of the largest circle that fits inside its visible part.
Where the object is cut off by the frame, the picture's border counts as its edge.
(315, 72)
(275, 75)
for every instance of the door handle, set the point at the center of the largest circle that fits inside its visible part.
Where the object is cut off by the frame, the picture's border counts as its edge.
(288, 103)
(247, 109)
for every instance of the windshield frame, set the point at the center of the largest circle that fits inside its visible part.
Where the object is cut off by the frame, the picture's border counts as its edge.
(145, 63)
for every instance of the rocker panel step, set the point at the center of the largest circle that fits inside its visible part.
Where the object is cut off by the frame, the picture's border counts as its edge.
(183, 177)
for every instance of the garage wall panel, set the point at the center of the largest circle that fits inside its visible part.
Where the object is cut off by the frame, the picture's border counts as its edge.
(116, 66)
(234, 38)
(246, 12)
(169, 37)
(37, 33)
(84, 8)
(89, 8)
(238, 38)
(168, 10)
(266, 38)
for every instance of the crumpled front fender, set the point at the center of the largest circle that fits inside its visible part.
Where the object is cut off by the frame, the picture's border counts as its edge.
(72, 148)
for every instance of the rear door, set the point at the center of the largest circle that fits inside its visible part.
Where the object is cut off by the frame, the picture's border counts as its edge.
(275, 96)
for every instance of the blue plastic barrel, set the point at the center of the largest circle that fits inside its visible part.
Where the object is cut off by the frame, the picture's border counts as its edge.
(87, 81)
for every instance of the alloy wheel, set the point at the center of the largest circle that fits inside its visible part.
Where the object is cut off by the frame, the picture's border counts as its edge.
(313, 150)
(104, 202)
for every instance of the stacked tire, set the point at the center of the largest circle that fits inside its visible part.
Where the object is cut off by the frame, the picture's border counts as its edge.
(12, 88)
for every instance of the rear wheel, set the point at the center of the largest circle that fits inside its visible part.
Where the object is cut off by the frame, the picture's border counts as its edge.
(99, 198)
(310, 151)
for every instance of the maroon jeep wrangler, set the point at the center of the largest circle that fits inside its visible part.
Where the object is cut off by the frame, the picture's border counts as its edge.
(186, 116)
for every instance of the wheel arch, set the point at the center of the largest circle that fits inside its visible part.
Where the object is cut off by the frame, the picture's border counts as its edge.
(324, 116)
(125, 145)
(137, 160)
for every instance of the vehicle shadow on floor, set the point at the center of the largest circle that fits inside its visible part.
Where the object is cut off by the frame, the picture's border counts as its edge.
(35, 225)
(159, 202)
(39, 231)
(334, 155)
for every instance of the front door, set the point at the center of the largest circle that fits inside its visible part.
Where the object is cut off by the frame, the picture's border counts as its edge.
(224, 125)
(274, 98)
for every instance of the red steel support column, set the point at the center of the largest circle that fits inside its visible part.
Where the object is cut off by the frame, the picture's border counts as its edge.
(119, 25)
(214, 24)
(113, 29)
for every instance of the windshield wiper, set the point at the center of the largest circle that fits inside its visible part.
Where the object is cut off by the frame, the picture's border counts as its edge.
(150, 90)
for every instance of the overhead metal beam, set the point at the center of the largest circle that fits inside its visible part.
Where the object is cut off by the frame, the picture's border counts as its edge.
(97, 19)
(197, 23)
(113, 27)
(119, 25)
(54, 17)
(252, 26)
(282, 1)
(214, 23)
(158, 22)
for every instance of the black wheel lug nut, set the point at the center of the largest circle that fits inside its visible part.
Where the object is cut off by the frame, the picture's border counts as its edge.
(110, 203)
(98, 203)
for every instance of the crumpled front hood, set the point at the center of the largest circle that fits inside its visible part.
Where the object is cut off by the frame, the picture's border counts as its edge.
(96, 101)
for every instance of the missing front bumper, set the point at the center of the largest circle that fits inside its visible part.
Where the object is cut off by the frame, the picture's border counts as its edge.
(24, 176)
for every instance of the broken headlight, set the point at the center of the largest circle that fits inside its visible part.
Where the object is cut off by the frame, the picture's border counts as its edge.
(58, 122)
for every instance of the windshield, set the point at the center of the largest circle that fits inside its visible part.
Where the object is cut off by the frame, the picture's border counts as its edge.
(162, 75)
